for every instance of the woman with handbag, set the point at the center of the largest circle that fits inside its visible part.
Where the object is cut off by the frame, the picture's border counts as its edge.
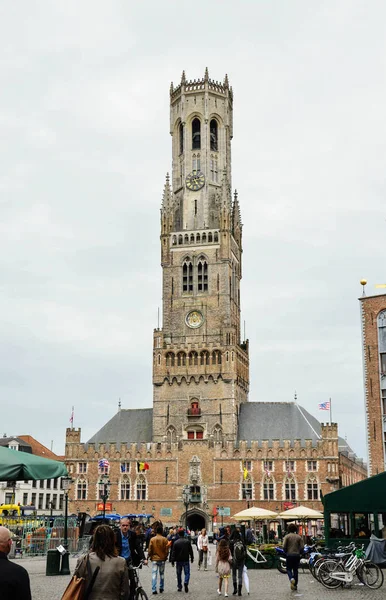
(111, 581)
(202, 547)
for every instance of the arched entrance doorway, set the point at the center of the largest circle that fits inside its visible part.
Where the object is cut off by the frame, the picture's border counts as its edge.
(195, 519)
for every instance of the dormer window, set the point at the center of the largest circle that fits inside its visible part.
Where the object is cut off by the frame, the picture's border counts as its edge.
(196, 134)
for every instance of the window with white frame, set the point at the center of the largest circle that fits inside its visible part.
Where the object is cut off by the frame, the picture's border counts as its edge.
(268, 489)
(81, 489)
(268, 466)
(312, 489)
(246, 490)
(290, 489)
(82, 467)
(312, 465)
(289, 466)
(125, 488)
(125, 467)
(141, 488)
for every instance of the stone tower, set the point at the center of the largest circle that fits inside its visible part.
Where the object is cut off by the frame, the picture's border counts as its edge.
(200, 365)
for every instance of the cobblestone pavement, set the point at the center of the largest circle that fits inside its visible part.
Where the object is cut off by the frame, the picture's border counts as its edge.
(264, 585)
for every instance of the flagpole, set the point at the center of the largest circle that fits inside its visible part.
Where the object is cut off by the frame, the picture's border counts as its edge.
(330, 412)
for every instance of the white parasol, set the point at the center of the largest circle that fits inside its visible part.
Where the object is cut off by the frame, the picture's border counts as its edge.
(255, 513)
(301, 513)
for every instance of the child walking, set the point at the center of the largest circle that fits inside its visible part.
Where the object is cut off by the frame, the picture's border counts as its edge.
(223, 565)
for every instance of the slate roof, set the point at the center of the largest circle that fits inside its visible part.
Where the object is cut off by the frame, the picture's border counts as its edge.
(24, 446)
(280, 421)
(127, 426)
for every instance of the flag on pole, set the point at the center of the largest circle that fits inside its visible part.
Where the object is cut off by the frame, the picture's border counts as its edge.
(103, 463)
(245, 473)
(72, 417)
(142, 466)
(324, 405)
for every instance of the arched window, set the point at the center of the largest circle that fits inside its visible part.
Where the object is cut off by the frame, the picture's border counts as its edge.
(180, 238)
(217, 433)
(198, 238)
(181, 136)
(193, 358)
(290, 489)
(216, 357)
(216, 237)
(204, 357)
(171, 435)
(186, 239)
(204, 237)
(195, 407)
(202, 275)
(81, 489)
(181, 359)
(125, 488)
(174, 240)
(312, 489)
(196, 162)
(210, 237)
(141, 488)
(213, 135)
(170, 359)
(268, 488)
(187, 275)
(192, 238)
(196, 134)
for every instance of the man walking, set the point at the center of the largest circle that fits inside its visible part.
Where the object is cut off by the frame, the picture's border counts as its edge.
(130, 548)
(239, 555)
(14, 579)
(158, 553)
(181, 552)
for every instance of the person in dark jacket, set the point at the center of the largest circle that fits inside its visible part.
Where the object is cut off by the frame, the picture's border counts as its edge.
(14, 579)
(181, 552)
(239, 554)
(130, 548)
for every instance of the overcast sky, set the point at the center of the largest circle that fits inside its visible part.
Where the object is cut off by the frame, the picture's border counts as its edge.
(85, 146)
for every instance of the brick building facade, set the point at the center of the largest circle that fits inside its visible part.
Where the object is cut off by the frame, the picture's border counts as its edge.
(202, 435)
(373, 316)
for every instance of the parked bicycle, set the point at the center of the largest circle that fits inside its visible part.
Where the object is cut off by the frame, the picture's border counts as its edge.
(334, 573)
(264, 559)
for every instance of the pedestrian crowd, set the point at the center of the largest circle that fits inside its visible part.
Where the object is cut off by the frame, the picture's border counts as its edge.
(107, 571)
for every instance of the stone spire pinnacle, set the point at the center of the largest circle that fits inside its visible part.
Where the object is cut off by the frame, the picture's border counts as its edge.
(206, 74)
(183, 78)
(166, 193)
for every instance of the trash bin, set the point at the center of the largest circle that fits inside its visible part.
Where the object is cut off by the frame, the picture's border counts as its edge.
(53, 562)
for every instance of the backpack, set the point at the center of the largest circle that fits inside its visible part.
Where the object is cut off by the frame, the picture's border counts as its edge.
(239, 551)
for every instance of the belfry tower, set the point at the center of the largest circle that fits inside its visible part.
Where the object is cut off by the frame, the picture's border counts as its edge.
(200, 365)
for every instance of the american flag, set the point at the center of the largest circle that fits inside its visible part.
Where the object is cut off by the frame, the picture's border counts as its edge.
(103, 463)
(324, 405)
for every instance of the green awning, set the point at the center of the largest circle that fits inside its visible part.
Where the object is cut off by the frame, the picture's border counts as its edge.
(368, 495)
(20, 466)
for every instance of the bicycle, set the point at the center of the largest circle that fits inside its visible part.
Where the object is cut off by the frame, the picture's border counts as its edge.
(341, 552)
(333, 573)
(139, 593)
(266, 560)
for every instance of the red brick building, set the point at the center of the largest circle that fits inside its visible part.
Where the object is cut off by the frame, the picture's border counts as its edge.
(202, 436)
(373, 316)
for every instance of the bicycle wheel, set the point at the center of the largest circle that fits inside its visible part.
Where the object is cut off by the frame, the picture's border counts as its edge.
(325, 572)
(314, 568)
(270, 561)
(140, 594)
(371, 575)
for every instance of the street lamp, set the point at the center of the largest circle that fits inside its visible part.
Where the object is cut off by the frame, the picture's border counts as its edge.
(186, 500)
(65, 569)
(105, 493)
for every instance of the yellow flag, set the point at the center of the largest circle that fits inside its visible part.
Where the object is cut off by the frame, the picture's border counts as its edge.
(245, 473)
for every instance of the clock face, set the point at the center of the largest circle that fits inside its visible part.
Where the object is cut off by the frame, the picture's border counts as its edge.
(195, 180)
(194, 319)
